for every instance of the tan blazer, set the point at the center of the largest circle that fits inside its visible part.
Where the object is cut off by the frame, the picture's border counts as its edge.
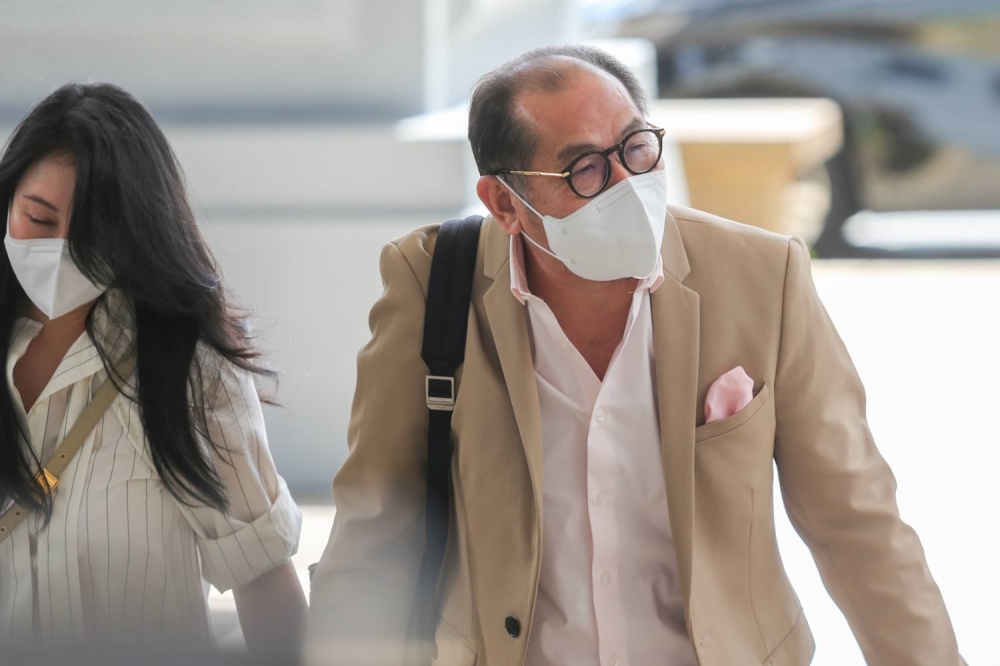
(733, 295)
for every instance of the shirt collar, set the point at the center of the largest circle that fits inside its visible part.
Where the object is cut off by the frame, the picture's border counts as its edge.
(25, 330)
(519, 276)
(80, 361)
(112, 325)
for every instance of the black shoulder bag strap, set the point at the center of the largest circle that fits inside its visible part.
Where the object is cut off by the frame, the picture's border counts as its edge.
(446, 322)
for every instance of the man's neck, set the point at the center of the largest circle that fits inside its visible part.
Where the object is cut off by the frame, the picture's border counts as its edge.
(593, 315)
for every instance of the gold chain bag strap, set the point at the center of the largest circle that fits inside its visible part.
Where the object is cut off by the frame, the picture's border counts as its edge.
(48, 477)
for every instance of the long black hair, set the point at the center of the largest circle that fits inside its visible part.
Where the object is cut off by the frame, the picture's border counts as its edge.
(131, 228)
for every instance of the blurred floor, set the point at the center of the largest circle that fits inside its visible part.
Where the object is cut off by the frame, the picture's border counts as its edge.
(924, 338)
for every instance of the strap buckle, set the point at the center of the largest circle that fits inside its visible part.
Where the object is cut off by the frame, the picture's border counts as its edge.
(47, 481)
(440, 393)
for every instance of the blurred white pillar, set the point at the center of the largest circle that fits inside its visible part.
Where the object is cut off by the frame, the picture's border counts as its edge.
(491, 32)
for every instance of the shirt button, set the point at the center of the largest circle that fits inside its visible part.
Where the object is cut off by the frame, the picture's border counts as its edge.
(613, 661)
(605, 579)
(602, 498)
(599, 415)
(513, 626)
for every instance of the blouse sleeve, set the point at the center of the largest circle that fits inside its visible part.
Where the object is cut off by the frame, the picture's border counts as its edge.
(261, 529)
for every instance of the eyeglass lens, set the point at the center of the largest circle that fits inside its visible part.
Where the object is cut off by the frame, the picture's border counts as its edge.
(590, 173)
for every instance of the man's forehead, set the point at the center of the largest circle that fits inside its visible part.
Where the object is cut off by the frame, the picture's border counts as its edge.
(566, 86)
(591, 108)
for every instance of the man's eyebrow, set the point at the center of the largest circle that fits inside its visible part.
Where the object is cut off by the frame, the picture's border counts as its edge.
(570, 153)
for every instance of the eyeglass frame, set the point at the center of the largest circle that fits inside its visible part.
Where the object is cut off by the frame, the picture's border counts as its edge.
(565, 174)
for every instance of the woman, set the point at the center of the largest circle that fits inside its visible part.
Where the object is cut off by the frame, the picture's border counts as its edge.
(105, 266)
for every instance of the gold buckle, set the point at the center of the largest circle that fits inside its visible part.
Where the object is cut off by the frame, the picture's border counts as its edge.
(47, 480)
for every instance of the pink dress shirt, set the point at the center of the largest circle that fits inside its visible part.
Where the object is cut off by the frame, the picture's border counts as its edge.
(609, 593)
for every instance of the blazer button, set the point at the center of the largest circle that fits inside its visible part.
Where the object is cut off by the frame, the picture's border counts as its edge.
(513, 626)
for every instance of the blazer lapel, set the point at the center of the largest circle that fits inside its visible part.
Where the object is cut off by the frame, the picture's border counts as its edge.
(676, 329)
(508, 321)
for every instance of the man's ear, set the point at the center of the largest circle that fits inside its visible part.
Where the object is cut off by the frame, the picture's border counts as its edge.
(503, 205)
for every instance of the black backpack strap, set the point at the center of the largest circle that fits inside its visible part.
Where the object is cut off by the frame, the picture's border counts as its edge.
(446, 322)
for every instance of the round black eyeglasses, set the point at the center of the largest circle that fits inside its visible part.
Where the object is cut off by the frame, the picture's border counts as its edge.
(587, 175)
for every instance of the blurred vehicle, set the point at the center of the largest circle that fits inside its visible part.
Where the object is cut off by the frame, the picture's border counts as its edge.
(918, 82)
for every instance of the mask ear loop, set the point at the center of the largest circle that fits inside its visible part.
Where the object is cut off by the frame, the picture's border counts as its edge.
(540, 216)
(520, 198)
(545, 250)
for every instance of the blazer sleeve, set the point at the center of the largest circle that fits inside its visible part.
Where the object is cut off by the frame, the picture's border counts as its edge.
(841, 495)
(364, 586)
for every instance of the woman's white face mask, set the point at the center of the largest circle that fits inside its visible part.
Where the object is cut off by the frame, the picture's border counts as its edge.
(48, 274)
(616, 235)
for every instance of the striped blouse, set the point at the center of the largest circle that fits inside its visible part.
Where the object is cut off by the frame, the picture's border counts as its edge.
(121, 560)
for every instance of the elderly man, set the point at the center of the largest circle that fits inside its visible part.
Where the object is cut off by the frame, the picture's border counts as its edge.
(632, 374)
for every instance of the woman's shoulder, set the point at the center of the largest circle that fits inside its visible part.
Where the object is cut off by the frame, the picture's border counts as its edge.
(221, 380)
(216, 380)
(113, 325)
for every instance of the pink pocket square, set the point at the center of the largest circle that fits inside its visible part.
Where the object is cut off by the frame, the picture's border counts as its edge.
(729, 394)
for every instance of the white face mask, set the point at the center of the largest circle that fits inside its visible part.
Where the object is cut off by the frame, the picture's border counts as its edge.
(616, 235)
(48, 274)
